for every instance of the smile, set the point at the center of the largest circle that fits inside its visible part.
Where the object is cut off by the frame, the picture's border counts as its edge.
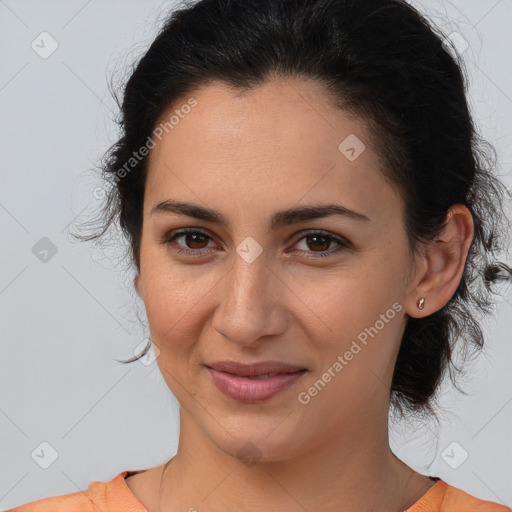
(254, 388)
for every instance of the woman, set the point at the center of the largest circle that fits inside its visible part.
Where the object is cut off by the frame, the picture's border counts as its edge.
(311, 216)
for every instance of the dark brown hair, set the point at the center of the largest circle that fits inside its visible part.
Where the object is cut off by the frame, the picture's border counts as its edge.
(379, 60)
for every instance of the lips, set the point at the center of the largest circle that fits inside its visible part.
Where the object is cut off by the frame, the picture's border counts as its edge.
(263, 376)
(260, 369)
(256, 382)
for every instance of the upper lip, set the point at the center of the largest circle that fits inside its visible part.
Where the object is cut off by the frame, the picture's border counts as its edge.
(249, 370)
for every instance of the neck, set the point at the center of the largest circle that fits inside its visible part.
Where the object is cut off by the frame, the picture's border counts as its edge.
(352, 470)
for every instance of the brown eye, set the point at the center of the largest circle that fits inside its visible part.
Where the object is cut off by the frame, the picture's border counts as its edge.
(317, 244)
(321, 243)
(195, 240)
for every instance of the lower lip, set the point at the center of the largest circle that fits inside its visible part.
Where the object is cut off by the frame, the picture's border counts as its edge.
(253, 390)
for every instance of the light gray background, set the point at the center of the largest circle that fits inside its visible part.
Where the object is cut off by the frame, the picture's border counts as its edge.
(64, 322)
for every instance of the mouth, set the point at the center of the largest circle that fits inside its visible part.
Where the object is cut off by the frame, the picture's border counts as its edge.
(262, 376)
(254, 369)
(250, 384)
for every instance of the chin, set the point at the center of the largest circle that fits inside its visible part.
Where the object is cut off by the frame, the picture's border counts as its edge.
(251, 447)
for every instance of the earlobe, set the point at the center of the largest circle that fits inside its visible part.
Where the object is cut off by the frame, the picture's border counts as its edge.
(136, 284)
(445, 259)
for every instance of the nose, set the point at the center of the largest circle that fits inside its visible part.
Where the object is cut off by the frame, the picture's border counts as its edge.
(250, 302)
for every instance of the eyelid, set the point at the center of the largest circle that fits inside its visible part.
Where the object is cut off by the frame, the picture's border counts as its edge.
(177, 233)
(342, 242)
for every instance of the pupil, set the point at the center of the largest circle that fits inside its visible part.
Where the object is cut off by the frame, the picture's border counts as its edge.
(194, 236)
(325, 244)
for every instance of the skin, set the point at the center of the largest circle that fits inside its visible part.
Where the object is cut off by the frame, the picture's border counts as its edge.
(247, 156)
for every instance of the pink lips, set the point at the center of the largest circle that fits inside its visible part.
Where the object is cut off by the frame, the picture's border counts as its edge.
(240, 381)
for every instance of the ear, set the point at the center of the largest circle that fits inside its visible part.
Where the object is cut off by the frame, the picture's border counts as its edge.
(442, 265)
(137, 285)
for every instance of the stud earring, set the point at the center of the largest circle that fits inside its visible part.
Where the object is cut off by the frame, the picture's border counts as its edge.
(421, 303)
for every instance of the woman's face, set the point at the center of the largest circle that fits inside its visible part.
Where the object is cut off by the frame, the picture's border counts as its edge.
(253, 290)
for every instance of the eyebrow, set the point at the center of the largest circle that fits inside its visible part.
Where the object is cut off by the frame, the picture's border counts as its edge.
(279, 219)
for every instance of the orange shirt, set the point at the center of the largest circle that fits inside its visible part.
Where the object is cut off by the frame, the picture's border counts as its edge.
(115, 496)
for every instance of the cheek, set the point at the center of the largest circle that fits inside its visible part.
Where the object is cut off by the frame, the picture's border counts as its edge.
(169, 315)
(362, 305)
(176, 304)
(359, 350)
(340, 301)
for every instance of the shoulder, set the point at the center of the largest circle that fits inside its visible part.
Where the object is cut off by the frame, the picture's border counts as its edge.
(75, 502)
(98, 497)
(459, 500)
(443, 497)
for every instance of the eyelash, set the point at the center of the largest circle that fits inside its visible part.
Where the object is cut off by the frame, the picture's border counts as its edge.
(342, 244)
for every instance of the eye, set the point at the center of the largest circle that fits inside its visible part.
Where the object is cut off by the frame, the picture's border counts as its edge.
(196, 243)
(322, 240)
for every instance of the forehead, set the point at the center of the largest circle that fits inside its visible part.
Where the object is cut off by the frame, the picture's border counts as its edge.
(280, 113)
(282, 139)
